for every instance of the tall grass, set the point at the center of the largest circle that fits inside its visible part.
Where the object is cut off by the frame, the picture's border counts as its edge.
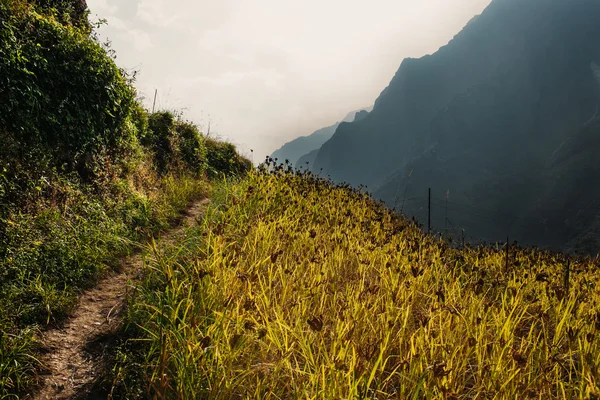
(50, 253)
(292, 288)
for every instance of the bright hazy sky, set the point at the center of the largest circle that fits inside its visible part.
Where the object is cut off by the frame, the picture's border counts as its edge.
(267, 71)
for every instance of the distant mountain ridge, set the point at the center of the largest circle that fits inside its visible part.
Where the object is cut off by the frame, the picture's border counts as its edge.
(504, 117)
(293, 150)
(306, 161)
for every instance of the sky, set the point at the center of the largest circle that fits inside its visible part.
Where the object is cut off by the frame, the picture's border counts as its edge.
(263, 72)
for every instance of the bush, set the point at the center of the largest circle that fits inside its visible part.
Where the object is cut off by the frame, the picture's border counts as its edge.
(61, 94)
(69, 11)
(176, 144)
(161, 139)
(223, 159)
(192, 146)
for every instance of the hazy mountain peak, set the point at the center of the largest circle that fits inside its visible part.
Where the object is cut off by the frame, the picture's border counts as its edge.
(293, 150)
(484, 117)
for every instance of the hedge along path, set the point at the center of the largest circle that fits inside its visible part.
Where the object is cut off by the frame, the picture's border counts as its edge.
(70, 368)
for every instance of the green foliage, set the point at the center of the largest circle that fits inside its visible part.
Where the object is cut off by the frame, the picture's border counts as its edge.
(179, 144)
(67, 11)
(161, 138)
(66, 248)
(61, 94)
(192, 146)
(16, 366)
(223, 159)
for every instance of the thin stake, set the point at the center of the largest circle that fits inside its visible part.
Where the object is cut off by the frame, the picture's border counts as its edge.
(429, 213)
(154, 103)
(446, 217)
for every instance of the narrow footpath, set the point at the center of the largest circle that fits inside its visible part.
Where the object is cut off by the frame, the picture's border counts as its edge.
(70, 368)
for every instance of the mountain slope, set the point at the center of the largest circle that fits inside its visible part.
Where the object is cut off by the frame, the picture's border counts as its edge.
(306, 161)
(482, 118)
(293, 150)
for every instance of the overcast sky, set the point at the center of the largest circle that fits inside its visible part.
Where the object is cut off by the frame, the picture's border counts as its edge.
(267, 71)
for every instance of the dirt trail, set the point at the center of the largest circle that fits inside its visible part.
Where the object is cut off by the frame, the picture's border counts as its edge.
(70, 367)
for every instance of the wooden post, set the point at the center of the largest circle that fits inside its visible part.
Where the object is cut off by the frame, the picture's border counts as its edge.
(446, 217)
(429, 212)
(154, 103)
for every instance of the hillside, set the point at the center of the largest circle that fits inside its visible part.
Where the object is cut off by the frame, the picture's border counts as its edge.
(143, 259)
(293, 150)
(485, 118)
(293, 288)
(87, 175)
(306, 161)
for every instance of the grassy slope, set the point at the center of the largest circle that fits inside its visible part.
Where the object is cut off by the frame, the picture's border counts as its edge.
(295, 289)
(81, 187)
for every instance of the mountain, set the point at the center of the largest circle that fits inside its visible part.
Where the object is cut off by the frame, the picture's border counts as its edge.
(503, 117)
(307, 160)
(293, 150)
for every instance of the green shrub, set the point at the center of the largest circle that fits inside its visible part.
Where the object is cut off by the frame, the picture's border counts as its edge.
(161, 138)
(192, 146)
(176, 144)
(61, 94)
(223, 159)
(69, 11)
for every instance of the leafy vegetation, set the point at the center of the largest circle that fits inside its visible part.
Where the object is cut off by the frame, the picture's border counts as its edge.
(63, 96)
(85, 174)
(223, 160)
(295, 288)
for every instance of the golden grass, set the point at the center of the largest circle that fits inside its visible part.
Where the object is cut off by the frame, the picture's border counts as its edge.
(295, 289)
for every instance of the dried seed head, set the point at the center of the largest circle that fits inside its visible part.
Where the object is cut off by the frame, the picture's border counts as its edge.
(315, 323)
